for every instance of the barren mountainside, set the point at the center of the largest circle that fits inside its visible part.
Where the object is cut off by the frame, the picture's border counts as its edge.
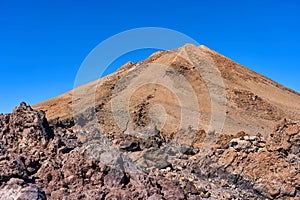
(186, 123)
(254, 103)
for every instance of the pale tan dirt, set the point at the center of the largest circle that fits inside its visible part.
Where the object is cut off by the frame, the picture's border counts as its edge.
(254, 102)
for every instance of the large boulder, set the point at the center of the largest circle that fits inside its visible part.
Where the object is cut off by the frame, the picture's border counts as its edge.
(17, 189)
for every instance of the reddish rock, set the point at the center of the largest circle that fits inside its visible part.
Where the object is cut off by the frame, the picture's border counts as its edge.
(57, 166)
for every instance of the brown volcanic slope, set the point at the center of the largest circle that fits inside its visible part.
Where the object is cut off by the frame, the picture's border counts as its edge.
(254, 102)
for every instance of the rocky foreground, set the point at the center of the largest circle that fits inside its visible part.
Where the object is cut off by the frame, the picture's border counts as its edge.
(41, 160)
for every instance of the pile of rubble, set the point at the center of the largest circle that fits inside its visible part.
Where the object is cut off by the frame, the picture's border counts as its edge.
(42, 161)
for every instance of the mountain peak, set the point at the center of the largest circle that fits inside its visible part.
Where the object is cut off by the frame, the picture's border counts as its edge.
(205, 48)
(254, 102)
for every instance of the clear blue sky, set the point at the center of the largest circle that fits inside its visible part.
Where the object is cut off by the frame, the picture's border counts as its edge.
(43, 43)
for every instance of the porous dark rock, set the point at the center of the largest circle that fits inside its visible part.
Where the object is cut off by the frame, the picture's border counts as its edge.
(39, 160)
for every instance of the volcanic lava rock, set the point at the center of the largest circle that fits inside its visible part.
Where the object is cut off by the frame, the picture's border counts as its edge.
(17, 189)
(24, 135)
(40, 161)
